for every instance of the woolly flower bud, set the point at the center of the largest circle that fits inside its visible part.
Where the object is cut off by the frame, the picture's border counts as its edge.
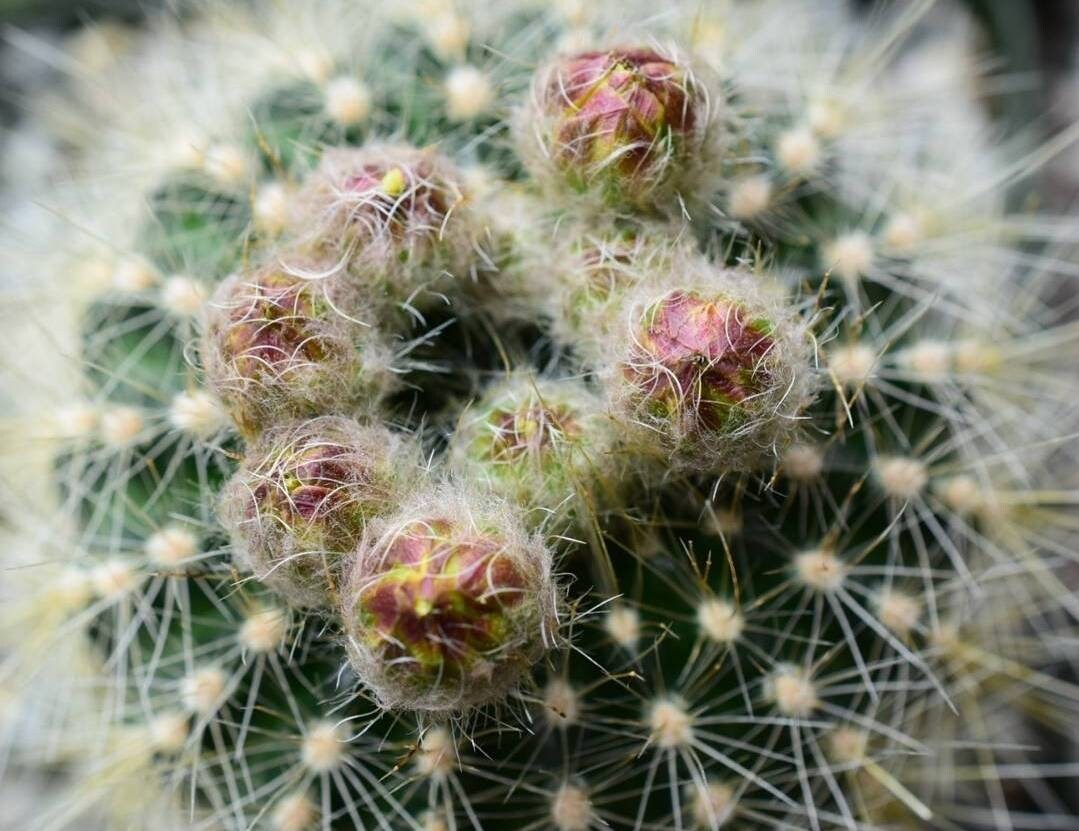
(632, 124)
(277, 345)
(709, 375)
(397, 210)
(302, 498)
(449, 604)
(539, 443)
(468, 93)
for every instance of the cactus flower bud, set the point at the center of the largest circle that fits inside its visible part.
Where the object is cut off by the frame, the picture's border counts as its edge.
(630, 123)
(449, 604)
(394, 212)
(597, 268)
(714, 379)
(302, 498)
(277, 345)
(545, 445)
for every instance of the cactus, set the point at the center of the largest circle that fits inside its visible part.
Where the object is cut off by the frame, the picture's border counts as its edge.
(571, 416)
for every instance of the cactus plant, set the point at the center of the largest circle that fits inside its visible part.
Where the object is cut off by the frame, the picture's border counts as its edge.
(567, 416)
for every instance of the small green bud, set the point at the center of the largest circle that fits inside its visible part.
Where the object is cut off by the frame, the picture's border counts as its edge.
(546, 445)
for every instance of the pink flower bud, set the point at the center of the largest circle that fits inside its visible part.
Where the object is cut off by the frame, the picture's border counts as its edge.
(396, 215)
(631, 123)
(303, 496)
(449, 605)
(699, 358)
(714, 379)
(278, 345)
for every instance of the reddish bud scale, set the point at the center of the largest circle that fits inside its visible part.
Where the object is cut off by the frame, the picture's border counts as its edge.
(394, 215)
(440, 603)
(274, 325)
(623, 120)
(697, 359)
(443, 613)
(302, 499)
(278, 346)
(397, 198)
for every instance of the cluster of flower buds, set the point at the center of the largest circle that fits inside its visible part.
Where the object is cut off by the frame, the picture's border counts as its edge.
(449, 604)
(634, 125)
(546, 445)
(446, 600)
(280, 344)
(302, 498)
